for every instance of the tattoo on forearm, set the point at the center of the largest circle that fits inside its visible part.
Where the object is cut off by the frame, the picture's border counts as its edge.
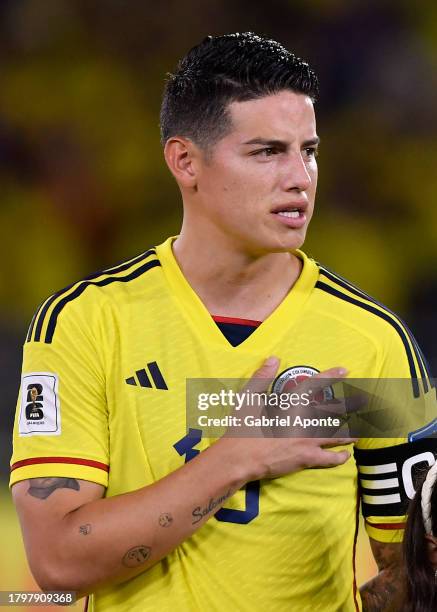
(85, 529)
(136, 556)
(165, 519)
(198, 512)
(382, 591)
(385, 592)
(44, 487)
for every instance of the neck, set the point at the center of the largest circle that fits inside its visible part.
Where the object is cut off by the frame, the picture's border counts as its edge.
(232, 282)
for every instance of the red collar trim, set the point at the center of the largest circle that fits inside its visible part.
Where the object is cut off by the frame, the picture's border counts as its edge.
(236, 321)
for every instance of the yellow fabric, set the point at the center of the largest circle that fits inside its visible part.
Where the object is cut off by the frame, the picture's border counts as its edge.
(50, 470)
(385, 535)
(297, 553)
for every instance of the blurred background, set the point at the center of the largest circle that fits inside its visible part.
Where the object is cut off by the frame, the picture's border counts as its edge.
(83, 183)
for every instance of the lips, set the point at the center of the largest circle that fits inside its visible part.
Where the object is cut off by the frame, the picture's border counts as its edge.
(292, 214)
(291, 207)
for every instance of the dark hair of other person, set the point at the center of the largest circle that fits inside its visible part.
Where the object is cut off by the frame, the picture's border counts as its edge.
(224, 69)
(421, 575)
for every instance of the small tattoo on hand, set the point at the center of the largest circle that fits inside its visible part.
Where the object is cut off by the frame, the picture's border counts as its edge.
(85, 529)
(136, 556)
(165, 520)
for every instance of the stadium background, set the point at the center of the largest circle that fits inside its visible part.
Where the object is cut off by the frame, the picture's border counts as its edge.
(83, 183)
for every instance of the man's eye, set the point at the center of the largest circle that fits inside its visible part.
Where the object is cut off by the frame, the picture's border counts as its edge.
(266, 152)
(311, 151)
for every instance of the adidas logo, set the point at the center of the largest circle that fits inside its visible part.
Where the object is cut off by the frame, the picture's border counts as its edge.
(141, 378)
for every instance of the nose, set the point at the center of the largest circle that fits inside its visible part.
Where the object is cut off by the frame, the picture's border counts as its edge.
(297, 177)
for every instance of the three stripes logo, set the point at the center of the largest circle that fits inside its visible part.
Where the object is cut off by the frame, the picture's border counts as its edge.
(142, 379)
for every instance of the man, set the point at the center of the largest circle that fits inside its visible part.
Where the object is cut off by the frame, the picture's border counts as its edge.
(114, 497)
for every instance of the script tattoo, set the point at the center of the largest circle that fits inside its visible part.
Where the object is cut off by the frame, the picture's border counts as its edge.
(165, 520)
(136, 556)
(44, 487)
(198, 512)
(85, 529)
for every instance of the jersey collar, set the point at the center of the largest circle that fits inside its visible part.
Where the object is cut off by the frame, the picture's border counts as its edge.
(200, 320)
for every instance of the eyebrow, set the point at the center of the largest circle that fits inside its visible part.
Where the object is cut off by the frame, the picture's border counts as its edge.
(280, 143)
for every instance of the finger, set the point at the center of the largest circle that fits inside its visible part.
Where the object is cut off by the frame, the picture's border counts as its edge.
(320, 381)
(259, 383)
(334, 441)
(338, 407)
(346, 405)
(328, 458)
(263, 376)
(336, 372)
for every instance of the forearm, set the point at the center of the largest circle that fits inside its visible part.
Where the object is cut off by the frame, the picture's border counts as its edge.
(384, 592)
(113, 539)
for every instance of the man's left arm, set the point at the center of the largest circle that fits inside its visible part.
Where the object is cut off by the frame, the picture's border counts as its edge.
(385, 592)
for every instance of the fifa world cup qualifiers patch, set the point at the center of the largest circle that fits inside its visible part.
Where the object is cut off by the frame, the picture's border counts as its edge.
(40, 407)
(388, 476)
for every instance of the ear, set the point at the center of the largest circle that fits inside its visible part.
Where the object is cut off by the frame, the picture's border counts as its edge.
(431, 546)
(181, 155)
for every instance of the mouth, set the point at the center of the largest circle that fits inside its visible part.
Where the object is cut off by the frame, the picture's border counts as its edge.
(292, 215)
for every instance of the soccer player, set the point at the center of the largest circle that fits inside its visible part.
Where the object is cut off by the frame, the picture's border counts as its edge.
(115, 497)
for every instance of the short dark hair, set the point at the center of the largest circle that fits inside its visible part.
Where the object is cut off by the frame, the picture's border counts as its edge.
(224, 69)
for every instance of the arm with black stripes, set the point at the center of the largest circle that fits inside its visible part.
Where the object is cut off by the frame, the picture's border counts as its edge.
(388, 466)
(76, 538)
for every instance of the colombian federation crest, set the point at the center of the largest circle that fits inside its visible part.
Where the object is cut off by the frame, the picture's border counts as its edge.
(288, 380)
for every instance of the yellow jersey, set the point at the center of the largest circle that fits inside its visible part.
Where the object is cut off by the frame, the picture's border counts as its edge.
(103, 392)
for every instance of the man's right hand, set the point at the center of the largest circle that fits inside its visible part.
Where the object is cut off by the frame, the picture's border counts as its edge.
(270, 457)
(78, 540)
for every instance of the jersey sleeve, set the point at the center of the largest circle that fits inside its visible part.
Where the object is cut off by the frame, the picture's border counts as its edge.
(61, 421)
(388, 467)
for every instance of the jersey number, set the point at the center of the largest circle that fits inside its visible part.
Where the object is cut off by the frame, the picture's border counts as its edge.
(185, 446)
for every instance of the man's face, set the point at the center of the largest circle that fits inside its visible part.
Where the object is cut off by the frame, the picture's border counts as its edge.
(258, 186)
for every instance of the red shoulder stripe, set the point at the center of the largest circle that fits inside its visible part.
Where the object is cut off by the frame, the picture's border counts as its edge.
(387, 525)
(71, 460)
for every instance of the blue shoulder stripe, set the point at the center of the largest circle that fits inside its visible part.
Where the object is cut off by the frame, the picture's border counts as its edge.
(421, 360)
(81, 288)
(347, 298)
(32, 323)
(44, 307)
